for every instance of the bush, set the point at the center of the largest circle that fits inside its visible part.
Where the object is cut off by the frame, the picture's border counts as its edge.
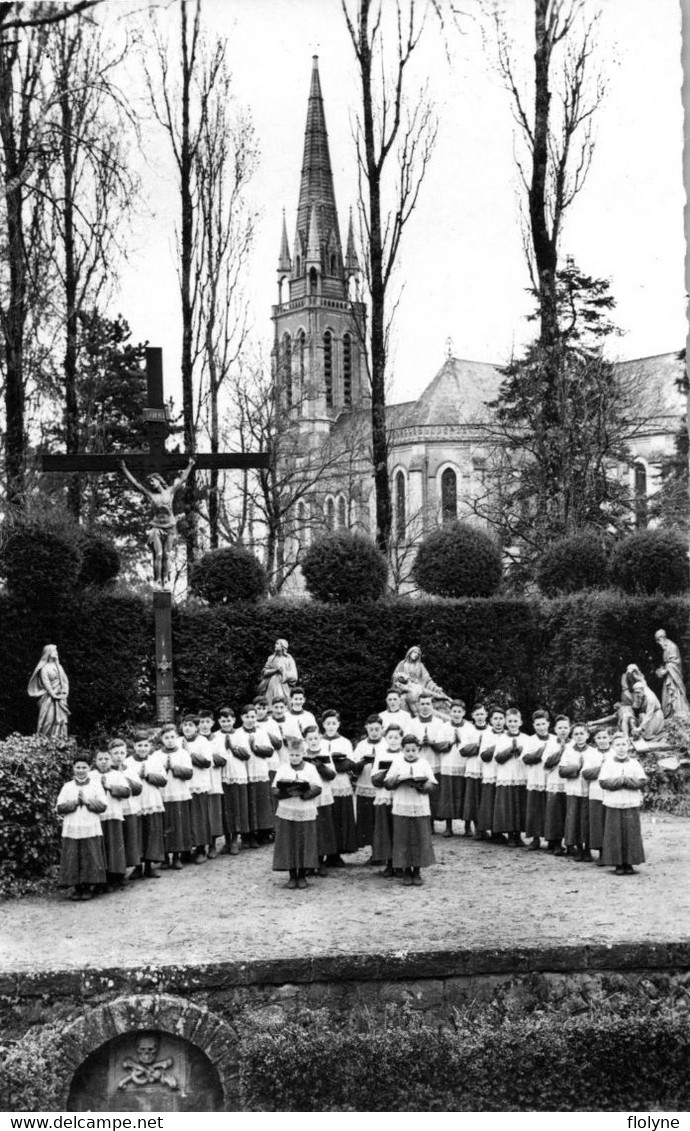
(227, 575)
(33, 1071)
(40, 565)
(539, 1062)
(572, 564)
(345, 568)
(651, 561)
(32, 771)
(458, 561)
(100, 561)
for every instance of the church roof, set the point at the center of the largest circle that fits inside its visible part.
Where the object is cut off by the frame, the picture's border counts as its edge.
(457, 395)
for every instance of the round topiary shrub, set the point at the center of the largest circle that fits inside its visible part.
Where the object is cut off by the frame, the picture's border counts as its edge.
(459, 560)
(226, 575)
(345, 568)
(651, 561)
(40, 564)
(570, 564)
(100, 561)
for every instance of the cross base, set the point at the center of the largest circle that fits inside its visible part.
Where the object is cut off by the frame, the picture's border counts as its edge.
(165, 695)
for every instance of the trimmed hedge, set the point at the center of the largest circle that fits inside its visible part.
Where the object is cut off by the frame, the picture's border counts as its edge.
(100, 561)
(32, 771)
(539, 1062)
(345, 568)
(651, 561)
(40, 565)
(459, 560)
(565, 654)
(572, 564)
(230, 574)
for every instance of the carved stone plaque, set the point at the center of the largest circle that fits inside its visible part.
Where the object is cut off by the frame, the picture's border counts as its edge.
(146, 1070)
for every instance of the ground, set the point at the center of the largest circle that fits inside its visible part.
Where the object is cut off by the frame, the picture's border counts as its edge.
(236, 908)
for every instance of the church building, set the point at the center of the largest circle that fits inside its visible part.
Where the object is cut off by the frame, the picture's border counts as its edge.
(438, 448)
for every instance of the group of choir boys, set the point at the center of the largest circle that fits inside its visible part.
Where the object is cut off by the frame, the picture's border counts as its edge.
(279, 777)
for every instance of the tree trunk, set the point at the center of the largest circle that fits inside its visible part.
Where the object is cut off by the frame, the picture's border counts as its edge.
(15, 310)
(379, 435)
(71, 414)
(186, 260)
(543, 240)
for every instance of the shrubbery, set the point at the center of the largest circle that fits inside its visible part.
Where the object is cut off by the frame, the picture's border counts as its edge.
(572, 564)
(227, 575)
(33, 1072)
(459, 560)
(32, 771)
(539, 1062)
(651, 561)
(566, 654)
(345, 568)
(100, 561)
(40, 565)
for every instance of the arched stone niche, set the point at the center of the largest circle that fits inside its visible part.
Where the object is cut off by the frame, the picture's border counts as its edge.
(150, 1053)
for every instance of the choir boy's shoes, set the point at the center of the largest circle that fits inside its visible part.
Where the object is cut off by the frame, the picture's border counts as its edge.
(587, 857)
(292, 883)
(534, 845)
(407, 880)
(417, 881)
(301, 882)
(212, 852)
(323, 870)
(619, 871)
(560, 851)
(468, 829)
(387, 872)
(447, 832)
(628, 870)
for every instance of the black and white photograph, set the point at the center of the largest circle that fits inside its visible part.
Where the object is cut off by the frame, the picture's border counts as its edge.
(344, 560)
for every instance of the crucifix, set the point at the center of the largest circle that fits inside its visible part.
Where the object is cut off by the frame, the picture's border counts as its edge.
(154, 463)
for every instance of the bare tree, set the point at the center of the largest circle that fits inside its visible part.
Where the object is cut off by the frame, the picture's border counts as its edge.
(391, 131)
(224, 163)
(22, 106)
(90, 190)
(288, 499)
(555, 122)
(179, 103)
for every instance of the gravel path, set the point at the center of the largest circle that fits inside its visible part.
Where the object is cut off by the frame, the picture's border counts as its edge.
(236, 908)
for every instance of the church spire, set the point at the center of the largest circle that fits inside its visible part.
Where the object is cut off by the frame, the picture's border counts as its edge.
(284, 263)
(316, 186)
(351, 264)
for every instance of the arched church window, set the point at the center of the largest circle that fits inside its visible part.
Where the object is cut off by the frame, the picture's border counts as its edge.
(298, 265)
(301, 363)
(287, 368)
(334, 263)
(342, 512)
(313, 278)
(641, 502)
(347, 369)
(328, 366)
(400, 517)
(449, 495)
(330, 514)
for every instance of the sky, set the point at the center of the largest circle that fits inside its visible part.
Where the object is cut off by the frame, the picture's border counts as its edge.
(462, 277)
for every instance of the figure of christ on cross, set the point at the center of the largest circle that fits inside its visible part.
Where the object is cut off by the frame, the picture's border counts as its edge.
(152, 465)
(163, 533)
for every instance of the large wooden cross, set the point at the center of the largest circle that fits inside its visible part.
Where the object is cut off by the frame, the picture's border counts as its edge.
(155, 460)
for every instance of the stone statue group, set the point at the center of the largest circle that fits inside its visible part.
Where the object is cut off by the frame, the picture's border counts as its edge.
(639, 715)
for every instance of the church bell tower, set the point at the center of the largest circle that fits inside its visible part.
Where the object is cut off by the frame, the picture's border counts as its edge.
(317, 355)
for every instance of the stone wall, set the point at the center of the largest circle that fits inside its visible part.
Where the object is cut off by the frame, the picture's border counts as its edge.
(209, 1005)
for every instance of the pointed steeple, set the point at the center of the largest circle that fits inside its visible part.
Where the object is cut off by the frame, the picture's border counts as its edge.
(351, 264)
(316, 186)
(314, 239)
(284, 262)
